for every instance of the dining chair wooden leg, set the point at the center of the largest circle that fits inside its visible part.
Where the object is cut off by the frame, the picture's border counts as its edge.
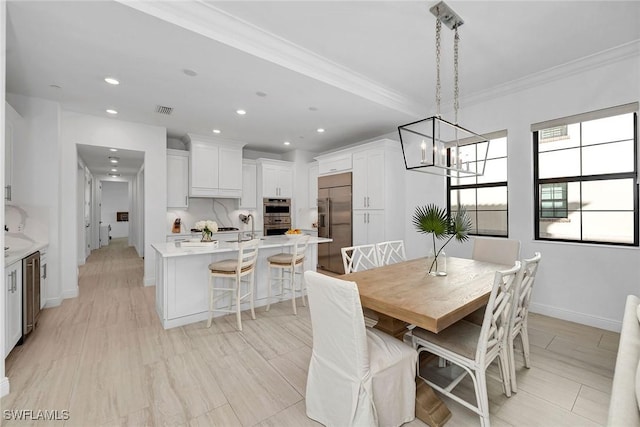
(524, 337)
(512, 364)
(210, 301)
(238, 314)
(251, 297)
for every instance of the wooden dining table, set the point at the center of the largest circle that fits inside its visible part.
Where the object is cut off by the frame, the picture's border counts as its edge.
(404, 293)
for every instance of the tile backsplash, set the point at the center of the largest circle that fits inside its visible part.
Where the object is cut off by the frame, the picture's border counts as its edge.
(223, 211)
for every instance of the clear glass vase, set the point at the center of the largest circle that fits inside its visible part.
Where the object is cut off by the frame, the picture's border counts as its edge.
(437, 266)
(206, 236)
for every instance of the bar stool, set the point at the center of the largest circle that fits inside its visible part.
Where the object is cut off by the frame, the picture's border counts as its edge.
(234, 269)
(287, 262)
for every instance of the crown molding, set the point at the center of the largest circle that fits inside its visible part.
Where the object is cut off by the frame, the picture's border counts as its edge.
(216, 24)
(609, 56)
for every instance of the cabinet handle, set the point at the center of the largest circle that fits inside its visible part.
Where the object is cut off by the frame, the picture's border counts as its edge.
(8, 192)
(368, 203)
(45, 272)
(186, 200)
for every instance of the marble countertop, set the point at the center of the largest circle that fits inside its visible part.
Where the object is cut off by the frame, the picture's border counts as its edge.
(187, 234)
(20, 247)
(174, 249)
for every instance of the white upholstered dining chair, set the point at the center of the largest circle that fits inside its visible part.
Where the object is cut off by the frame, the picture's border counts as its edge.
(359, 258)
(234, 270)
(473, 348)
(496, 250)
(287, 265)
(520, 314)
(357, 376)
(391, 252)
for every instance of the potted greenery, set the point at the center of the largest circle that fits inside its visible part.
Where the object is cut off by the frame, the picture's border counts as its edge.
(435, 220)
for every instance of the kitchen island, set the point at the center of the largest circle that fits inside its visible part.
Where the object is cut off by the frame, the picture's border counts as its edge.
(182, 276)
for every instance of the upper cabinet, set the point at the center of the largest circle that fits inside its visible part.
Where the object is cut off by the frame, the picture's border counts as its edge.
(177, 178)
(275, 178)
(330, 164)
(215, 167)
(12, 133)
(249, 182)
(368, 179)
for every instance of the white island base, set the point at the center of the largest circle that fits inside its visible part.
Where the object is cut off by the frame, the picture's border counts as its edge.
(182, 277)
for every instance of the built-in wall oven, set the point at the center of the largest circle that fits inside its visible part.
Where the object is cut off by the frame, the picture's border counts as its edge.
(277, 216)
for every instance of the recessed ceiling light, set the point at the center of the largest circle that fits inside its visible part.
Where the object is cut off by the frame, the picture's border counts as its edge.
(111, 81)
(287, 143)
(114, 170)
(113, 149)
(241, 112)
(320, 130)
(114, 112)
(216, 131)
(113, 159)
(114, 174)
(189, 72)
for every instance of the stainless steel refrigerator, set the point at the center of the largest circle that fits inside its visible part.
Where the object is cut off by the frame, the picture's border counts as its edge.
(334, 219)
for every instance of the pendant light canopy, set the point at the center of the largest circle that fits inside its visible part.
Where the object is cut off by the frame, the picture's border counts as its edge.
(434, 145)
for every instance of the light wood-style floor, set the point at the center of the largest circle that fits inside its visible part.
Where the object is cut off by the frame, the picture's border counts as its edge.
(105, 358)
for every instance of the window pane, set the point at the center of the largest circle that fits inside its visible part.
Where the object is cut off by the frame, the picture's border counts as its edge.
(616, 128)
(609, 195)
(473, 216)
(571, 140)
(560, 163)
(497, 148)
(561, 228)
(494, 198)
(615, 227)
(495, 171)
(465, 198)
(608, 158)
(492, 222)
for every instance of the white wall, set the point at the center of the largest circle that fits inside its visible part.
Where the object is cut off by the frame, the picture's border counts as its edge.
(578, 282)
(4, 382)
(36, 175)
(303, 216)
(97, 131)
(115, 198)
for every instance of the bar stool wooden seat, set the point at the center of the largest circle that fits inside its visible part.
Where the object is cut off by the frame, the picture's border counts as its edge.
(287, 263)
(234, 270)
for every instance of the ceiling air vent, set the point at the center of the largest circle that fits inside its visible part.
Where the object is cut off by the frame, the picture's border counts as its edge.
(164, 110)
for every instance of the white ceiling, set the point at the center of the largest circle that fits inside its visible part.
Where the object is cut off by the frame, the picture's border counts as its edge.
(98, 160)
(364, 67)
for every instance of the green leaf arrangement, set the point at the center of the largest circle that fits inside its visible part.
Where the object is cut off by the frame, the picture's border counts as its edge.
(434, 220)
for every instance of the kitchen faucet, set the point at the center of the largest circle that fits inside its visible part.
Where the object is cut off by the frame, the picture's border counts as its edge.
(245, 218)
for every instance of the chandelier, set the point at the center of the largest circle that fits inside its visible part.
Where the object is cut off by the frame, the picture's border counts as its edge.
(437, 146)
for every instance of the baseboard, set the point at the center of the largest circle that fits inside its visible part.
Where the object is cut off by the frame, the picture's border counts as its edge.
(70, 293)
(4, 386)
(149, 281)
(574, 316)
(53, 302)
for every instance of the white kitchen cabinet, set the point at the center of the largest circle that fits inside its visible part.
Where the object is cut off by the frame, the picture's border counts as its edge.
(13, 306)
(334, 163)
(275, 178)
(249, 184)
(13, 130)
(43, 277)
(368, 227)
(215, 167)
(177, 178)
(313, 185)
(369, 179)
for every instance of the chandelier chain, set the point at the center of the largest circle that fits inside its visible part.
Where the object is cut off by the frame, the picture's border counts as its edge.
(438, 87)
(456, 88)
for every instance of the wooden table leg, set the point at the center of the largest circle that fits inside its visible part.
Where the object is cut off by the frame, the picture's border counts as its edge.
(430, 409)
